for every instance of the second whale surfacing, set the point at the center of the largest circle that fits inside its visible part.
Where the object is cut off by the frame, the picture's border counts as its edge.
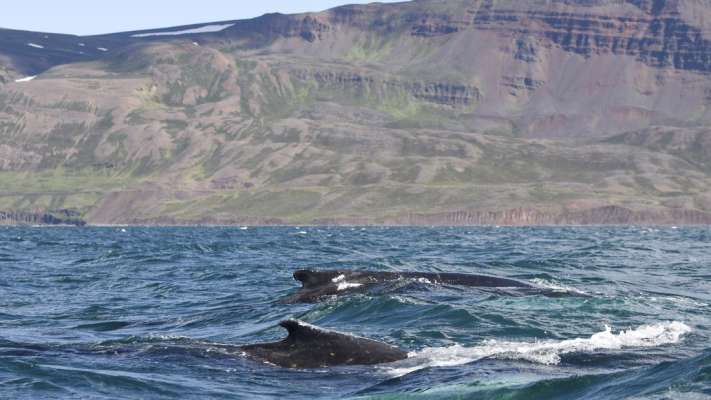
(319, 284)
(309, 346)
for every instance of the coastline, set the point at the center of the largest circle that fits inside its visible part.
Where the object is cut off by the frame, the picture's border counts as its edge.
(523, 217)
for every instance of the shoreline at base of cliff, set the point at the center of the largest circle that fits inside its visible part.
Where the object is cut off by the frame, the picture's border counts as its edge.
(600, 216)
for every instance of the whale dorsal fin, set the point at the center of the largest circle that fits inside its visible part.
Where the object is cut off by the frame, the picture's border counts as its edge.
(310, 279)
(309, 346)
(300, 330)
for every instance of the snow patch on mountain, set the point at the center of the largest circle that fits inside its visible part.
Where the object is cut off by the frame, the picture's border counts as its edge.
(27, 79)
(202, 29)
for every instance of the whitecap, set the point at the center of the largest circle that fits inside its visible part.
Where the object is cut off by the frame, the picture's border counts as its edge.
(556, 286)
(543, 352)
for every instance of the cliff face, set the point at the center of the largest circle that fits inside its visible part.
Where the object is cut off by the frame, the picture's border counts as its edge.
(658, 37)
(56, 217)
(422, 111)
(539, 69)
(609, 215)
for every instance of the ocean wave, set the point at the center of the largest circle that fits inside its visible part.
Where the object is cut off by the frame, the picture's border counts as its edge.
(557, 286)
(685, 378)
(544, 352)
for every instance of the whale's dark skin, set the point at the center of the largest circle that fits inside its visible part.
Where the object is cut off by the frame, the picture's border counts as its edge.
(318, 284)
(308, 346)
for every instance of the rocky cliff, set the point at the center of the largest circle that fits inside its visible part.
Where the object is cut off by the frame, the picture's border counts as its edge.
(609, 215)
(54, 217)
(429, 111)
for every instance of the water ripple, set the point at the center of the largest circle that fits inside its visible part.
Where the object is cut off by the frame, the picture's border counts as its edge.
(157, 312)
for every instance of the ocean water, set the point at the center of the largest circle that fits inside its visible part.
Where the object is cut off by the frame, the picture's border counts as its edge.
(133, 312)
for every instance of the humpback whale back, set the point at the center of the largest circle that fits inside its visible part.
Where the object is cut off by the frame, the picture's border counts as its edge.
(465, 279)
(309, 346)
(319, 284)
(311, 279)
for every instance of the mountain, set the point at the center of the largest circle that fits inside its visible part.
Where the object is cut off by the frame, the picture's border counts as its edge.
(424, 112)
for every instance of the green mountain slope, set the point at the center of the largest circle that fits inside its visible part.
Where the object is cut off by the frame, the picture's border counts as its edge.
(432, 111)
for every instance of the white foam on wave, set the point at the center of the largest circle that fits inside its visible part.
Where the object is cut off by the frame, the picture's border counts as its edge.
(343, 284)
(683, 301)
(202, 29)
(35, 45)
(543, 352)
(556, 286)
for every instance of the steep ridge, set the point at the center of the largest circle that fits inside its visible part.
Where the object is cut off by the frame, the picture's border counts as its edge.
(430, 111)
(30, 53)
(659, 38)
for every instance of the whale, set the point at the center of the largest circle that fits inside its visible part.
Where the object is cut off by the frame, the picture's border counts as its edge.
(308, 347)
(317, 285)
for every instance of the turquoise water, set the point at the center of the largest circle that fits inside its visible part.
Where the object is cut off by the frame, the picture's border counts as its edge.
(128, 313)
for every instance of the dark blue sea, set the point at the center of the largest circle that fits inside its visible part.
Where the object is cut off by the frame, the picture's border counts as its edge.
(143, 313)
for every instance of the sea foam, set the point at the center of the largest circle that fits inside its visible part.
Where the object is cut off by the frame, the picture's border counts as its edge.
(556, 286)
(544, 352)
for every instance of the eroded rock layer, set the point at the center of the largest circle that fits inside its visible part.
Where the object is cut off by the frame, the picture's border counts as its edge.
(423, 112)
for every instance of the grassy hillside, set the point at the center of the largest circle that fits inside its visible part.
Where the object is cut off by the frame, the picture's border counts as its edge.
(359, 114)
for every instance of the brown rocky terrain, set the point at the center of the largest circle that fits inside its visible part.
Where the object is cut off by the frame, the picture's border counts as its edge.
(424, 112)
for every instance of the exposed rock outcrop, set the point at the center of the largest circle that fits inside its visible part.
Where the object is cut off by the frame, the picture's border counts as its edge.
(659, 37)
(443, 93)
(56, 217)
(609, 215)
(511, 110)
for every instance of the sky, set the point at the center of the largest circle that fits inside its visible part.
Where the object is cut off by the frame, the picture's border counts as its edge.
(90, 17)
